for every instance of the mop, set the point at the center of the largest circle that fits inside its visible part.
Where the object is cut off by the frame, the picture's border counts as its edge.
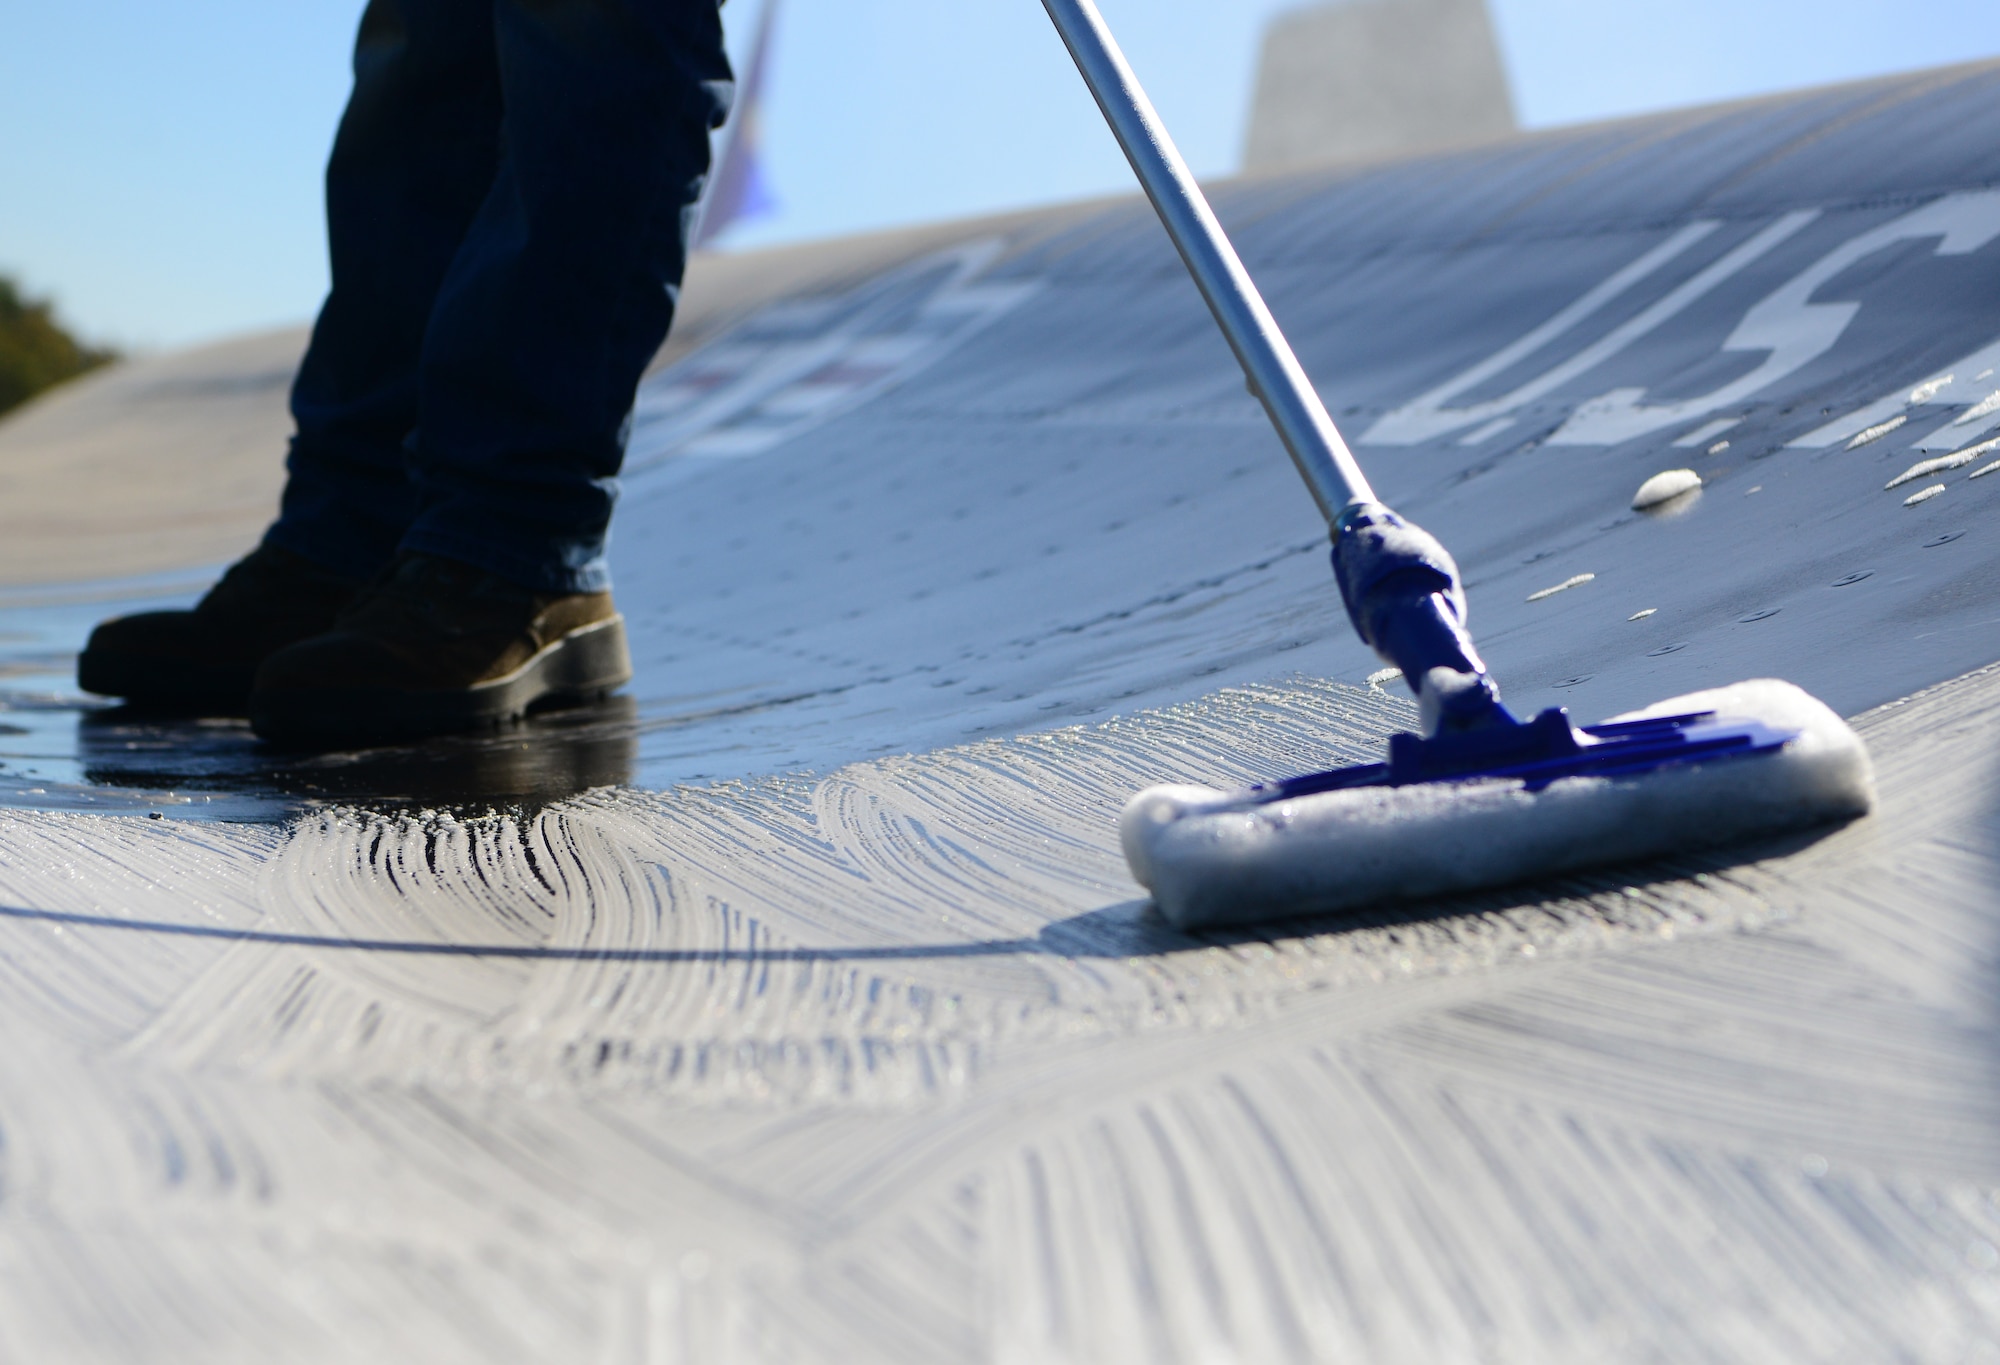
(1480, 798)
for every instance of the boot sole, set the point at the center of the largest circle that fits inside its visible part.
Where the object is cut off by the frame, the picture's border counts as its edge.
(584, 666)
(167, 686)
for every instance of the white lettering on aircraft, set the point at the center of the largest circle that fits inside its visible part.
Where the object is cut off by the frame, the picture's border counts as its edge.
(796, 365)
(1786, 325)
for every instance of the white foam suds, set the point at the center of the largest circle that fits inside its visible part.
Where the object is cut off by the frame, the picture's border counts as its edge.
(1384, 675)
(1935, 465)
(1873, 420)
(1878, 431)
(1665, 486)
(1574, 581)
(1930, 388)
(1211, 859)
(1642, 615)
(1982, 473)
(1984, 407)
(1983, 448)
(1924, 495)
(1718, 447)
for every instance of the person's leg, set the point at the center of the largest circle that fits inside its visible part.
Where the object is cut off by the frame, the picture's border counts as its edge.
(565, 284)
(414, 159)
(560, 294)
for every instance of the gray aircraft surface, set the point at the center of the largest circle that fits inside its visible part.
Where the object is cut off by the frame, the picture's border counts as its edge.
(799, 1006)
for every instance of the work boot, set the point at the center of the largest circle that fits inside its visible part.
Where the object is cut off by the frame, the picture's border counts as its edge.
(432, 646)
(201, 662)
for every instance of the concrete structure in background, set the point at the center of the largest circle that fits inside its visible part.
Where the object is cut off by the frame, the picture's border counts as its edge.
(1362, 79)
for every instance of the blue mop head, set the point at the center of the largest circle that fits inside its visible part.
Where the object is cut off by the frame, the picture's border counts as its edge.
(1442, 816)
(1482, 799)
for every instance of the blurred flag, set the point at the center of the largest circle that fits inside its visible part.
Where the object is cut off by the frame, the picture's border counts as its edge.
(737, 188)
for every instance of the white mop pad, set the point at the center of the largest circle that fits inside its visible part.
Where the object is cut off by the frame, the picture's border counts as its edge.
(1210, 858)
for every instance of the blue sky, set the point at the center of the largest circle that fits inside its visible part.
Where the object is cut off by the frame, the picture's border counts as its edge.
(159, 168)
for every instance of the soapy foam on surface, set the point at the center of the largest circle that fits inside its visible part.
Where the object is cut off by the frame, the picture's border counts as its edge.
(1870, 435)
(1930, 388)
(1665, 486)
(1924, 495)
(1209, 864)
(1984, 407)
(1867, 423)
(1938, 465)
(890, 1065)
(1574, 581)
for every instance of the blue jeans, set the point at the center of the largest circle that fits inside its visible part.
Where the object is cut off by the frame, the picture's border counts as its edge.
(508, 205)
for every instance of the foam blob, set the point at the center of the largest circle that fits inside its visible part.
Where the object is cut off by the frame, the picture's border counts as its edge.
(1211, 859)
(1573, 581)
(1877, 432)
(1925, 468)
(1930, 388)
(1983, 408)
(1665, 486)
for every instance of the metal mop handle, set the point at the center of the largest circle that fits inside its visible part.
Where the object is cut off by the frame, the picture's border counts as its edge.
(1323, 459)
(1401, 587)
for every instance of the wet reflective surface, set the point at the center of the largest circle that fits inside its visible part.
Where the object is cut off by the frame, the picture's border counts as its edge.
(63, 750)
(1017, 485)
(548, 758)
(891, 1061)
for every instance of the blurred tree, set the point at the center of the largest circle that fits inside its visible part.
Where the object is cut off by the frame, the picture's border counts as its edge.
(35, 352)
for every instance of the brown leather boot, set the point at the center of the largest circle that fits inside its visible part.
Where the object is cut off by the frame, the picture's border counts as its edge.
(202, 661)
(433, 646)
